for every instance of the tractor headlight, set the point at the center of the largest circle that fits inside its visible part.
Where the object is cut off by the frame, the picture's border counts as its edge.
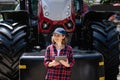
(68, 6)
(45, 25)
(46, 13)
(67, 13)
(69, 24)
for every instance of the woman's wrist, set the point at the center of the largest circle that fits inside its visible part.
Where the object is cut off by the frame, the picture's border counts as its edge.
(50, 64)
(67, 65)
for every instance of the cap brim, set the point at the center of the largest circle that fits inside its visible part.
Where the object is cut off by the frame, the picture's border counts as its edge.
(58, 33)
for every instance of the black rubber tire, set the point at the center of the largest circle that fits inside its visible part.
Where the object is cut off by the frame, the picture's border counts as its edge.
(105, 40)
(12, 45)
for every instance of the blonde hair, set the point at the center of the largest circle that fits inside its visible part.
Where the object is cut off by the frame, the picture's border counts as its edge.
(64, 41)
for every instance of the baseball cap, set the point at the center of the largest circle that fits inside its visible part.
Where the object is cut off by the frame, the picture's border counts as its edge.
(60, 31)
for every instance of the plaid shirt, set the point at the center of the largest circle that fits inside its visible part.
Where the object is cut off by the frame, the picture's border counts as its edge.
(59, 72)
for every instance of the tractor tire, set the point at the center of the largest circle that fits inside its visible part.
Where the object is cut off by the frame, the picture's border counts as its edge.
(12, 45)
(105, 40)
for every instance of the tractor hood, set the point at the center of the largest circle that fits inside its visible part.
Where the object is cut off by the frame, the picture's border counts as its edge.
(56, 9)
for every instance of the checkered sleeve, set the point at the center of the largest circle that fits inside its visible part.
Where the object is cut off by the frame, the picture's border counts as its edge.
(70, 58)
(47, 57)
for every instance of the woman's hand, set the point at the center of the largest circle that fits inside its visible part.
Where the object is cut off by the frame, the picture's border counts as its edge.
(53, 63)
(65, 63)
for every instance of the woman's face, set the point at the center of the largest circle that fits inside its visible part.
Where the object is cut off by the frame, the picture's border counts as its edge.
(58, 37)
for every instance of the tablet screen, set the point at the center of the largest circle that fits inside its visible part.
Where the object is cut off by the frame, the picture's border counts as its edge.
(57, 58)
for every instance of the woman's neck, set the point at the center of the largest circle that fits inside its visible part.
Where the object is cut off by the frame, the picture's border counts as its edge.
(59, 45)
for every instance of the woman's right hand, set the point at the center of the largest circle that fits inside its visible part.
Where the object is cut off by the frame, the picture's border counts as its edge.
(53, 63)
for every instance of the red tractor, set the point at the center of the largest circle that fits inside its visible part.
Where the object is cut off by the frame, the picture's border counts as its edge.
(29, 27)
(61, 14)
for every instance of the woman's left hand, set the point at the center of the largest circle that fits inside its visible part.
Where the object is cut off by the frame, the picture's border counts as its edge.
(65, 63)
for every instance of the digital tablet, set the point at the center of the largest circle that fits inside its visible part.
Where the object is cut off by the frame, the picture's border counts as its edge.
(57, 58)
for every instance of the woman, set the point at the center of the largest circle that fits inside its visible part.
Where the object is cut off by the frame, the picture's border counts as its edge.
(58, 70)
